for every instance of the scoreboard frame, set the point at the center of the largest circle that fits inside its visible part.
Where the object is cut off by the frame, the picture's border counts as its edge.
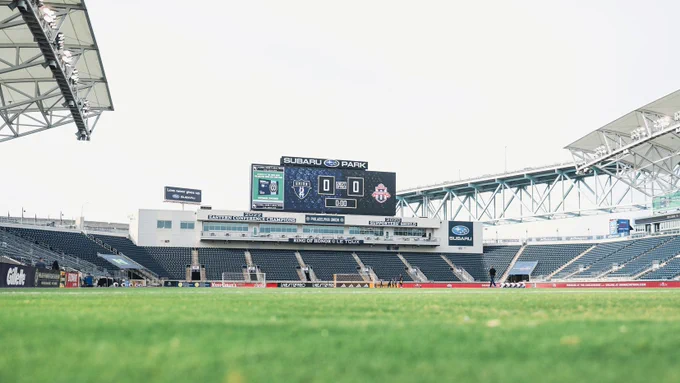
(320, 190)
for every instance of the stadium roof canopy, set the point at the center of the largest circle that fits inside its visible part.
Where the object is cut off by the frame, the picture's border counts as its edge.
(51, 73)
(643, 145)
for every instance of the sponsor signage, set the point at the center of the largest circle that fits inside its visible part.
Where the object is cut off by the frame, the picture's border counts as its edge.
(182, 195)
(47, 278)
(302, 285)
(71, 280)
(578, 238)
(267, 192)
(250, 217)
(609, 285)
(323, 163)
(547, 239)
(324, 241)
(16, 276)
(461, 233)
(619, 226)
(666, 204)
(392, 222)
(325, 219)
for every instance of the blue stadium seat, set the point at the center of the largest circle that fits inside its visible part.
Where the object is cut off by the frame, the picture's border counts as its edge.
(551, 257)
(327, 263)
(218, 261)
(385, 265)
(278, 265)
(432, 265)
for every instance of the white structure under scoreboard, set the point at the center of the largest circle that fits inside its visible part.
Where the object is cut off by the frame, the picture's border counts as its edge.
(279, 230)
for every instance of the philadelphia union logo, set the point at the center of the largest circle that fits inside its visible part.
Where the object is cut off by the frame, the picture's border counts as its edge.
(381, 194)
(302, 188)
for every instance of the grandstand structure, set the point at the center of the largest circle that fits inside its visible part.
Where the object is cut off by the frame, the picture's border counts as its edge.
(619, 167)
(651, 257)
(51, 72)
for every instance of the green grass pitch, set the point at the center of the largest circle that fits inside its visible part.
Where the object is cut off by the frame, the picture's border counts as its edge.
(258, 335)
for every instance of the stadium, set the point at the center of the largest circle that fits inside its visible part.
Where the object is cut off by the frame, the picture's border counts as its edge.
(334, 272)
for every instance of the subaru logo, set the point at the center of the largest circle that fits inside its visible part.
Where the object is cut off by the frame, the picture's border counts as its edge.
(331, 163)
(460, 230)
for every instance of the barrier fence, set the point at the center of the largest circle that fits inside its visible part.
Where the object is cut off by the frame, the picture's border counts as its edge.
(428, 285)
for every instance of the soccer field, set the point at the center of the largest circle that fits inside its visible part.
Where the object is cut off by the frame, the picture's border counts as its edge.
(258, 335)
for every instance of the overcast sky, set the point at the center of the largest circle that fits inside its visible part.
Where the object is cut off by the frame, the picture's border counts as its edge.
(427, 89)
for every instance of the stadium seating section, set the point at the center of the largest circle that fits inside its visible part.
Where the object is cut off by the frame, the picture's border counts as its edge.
(387, 266)
(670, 271)
(327, 263)
(633, 258)
(278, 265)
(661, 254)
(621, 257)
(173, 259)
(432, 265)
(599, 252)
(134, 252)
(551, 257)
(499, 257)
(71, 243)
(218, 261)
(472, 263)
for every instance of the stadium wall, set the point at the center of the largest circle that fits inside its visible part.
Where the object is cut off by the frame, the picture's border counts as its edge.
(437, 235)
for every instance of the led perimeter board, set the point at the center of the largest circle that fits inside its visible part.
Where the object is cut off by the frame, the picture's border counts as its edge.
(322, 190)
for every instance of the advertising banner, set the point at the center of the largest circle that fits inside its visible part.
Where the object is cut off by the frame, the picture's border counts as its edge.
(70, 280)
(325, 219)
(16, 276)
(302, 285)
(47, 278)
(182, 195)
(666, 204)
(267, 183)
(323, 163)
(461, 233)
(323, 241)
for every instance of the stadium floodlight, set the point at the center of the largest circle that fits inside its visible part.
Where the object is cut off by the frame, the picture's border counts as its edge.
(662, 123)
(676, 116)
(601, 151)
(61, 38)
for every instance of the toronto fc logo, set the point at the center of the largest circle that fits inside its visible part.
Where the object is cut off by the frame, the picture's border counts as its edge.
(381, 194)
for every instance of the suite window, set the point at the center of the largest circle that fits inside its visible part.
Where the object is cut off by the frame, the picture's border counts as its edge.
(187, 225)
(409, 232)
(164, 224)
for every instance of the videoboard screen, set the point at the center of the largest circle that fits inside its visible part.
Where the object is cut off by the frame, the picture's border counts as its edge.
(323, 190)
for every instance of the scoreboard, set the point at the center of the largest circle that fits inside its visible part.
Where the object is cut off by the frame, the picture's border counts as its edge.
(325, 187)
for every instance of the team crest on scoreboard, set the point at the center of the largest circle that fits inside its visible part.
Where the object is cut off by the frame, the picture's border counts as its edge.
(381, 194)
(302, 188)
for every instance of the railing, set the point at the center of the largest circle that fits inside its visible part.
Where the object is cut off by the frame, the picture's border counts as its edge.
(221, 235)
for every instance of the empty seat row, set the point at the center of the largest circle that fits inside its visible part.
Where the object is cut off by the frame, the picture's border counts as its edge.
(136, 253)
(218, 261)
(599, 252)
(551, 257)
(669, 271)
(327, 263)
(432, 265)
(278, 265)
(387, 265)
(621, 257)
(645, 261)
